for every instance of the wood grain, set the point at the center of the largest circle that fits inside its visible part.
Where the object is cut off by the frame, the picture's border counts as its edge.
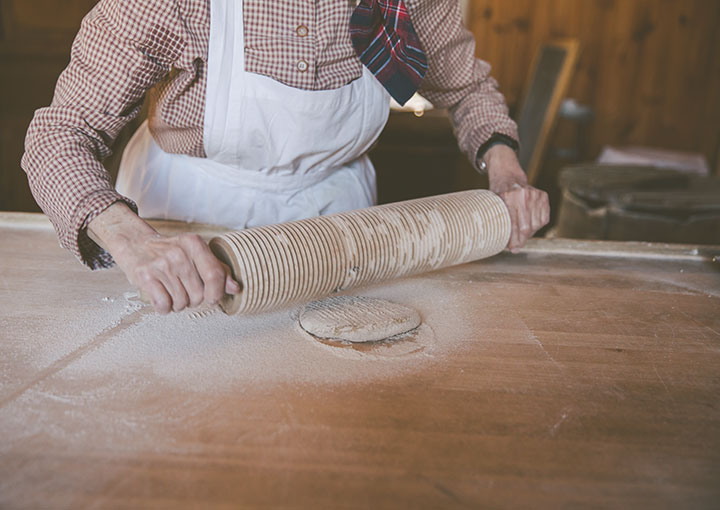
(649, 68)
(574, 379)
(35, 40)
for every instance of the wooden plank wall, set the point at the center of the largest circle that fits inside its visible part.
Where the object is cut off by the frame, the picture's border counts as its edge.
(649, 68)
(35, 38)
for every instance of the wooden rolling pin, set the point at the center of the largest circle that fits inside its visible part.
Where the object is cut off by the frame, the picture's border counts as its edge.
(308, 259)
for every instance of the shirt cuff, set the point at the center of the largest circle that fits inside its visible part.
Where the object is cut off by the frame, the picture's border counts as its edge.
(79, 243)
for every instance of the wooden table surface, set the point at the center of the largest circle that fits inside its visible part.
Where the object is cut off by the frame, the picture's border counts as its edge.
(572, 375)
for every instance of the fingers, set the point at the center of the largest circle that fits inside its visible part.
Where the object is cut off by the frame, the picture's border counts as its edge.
(540, 209)
(519, 217)
(162, 271)
(231, 286)
(545, 206)
(153, 290)
(160, 299)
(177, 291)
(177, 272)
(185, 285)
(529, 211)
(514, 230)
(525, 227)
(215, 276)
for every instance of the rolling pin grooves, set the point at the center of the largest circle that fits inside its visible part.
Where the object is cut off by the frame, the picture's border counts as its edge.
(308, 259)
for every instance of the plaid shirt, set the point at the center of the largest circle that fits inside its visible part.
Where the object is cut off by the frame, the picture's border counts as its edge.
(127, 48)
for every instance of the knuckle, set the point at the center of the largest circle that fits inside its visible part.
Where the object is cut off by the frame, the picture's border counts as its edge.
(180, 303)
(215, 275)
(190, 237)
(195, 239)
(162, 305)
(175, 255)
(143, 274)
(146, 283)
(195, 295)
(162, 264)
(192, 241)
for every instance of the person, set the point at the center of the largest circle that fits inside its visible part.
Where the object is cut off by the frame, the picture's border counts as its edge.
(261, 111)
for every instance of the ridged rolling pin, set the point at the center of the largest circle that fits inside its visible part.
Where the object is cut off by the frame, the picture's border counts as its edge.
(299, 261)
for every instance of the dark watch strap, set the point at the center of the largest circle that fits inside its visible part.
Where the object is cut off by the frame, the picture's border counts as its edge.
(495, 139)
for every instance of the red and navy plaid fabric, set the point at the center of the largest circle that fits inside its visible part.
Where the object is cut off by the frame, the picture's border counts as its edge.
(386, 42)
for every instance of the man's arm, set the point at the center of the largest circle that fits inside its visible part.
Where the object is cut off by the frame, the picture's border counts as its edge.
(456, 80)
(123, 48)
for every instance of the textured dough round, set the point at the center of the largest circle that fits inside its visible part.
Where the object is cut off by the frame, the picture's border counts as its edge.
(357, 319)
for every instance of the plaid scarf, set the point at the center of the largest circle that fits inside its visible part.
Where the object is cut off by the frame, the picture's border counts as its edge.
(386, 42)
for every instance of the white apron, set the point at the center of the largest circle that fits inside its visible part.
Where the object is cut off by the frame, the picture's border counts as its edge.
(274, 153)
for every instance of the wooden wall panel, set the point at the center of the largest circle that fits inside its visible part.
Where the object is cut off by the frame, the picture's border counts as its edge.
(35, 38)
(649, 68)
(40, 21)
(26, 83)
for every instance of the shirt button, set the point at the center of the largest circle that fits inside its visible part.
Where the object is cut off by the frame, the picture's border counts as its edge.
(302, 31)
(302, 66)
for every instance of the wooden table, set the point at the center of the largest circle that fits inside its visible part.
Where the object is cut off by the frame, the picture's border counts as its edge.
(573, 375)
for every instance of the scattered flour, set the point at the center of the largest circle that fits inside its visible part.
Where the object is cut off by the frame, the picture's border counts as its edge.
(138, 380)
(206, 349)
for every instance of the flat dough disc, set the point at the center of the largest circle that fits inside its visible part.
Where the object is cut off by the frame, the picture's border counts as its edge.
(357, 319)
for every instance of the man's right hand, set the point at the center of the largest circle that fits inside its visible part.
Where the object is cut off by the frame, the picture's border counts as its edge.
(174, 272)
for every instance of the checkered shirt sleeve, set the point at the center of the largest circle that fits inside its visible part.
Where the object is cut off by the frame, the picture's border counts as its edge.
(456, 80)
(122, 49)
(129, 48)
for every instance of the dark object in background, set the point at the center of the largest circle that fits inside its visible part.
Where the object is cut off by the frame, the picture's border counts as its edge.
(550, 76)
(635, 203)
(418, 156)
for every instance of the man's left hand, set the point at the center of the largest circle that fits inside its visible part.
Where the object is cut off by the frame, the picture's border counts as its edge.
(529, 207)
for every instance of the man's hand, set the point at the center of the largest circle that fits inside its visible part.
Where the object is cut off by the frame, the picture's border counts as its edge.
(529, 207)
(173, 272)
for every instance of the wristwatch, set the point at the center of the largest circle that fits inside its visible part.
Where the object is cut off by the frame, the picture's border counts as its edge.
(495, 139)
